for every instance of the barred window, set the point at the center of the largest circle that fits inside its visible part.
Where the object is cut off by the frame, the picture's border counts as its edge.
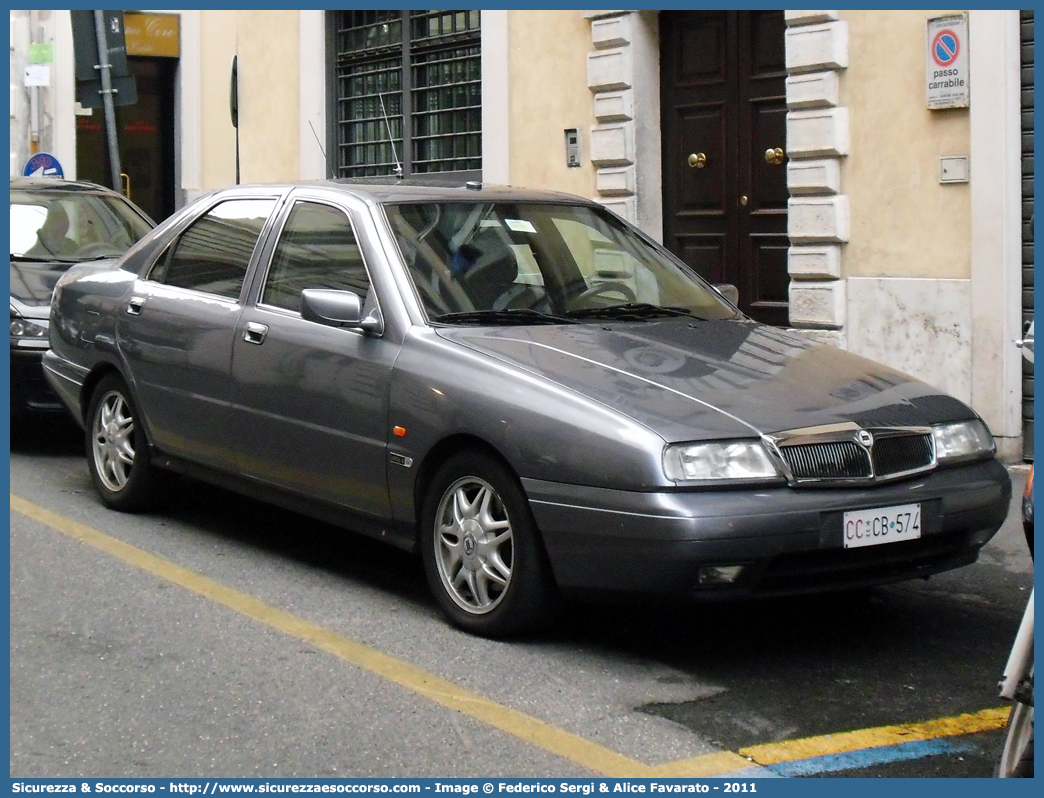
(408, 93)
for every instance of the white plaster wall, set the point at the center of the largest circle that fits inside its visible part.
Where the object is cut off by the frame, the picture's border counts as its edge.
(818, 218)
(57, 132)
(646, 46)
(623, 74)
(188, 126)
(496, 107)
(996, 246)
(920, 326)
(19, 141)
(312, 113)
(63, 117)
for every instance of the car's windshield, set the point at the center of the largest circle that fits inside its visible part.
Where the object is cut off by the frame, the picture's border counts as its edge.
(479, 261)
(72, 226)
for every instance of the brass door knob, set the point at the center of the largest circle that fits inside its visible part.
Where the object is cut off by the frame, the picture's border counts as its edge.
(775, 155)
(744, 200)
(698, 160)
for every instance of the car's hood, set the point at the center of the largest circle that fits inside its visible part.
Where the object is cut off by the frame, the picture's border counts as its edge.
(686, 379)
(32, 282)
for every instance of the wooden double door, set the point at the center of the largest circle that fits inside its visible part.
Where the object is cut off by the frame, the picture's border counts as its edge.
(723, 112)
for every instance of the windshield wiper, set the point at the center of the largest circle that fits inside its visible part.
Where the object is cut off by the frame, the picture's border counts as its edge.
(31, 259)
(506, 316)
(632, 311)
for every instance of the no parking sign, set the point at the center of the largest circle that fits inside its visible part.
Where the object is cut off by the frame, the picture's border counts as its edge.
(947, 62)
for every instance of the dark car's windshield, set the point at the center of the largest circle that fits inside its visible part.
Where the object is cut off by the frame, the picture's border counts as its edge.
(471, 262)
(72, 226)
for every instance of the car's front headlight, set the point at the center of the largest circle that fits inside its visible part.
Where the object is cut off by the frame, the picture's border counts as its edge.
(720, 462)
(963, 440)
(25, 329)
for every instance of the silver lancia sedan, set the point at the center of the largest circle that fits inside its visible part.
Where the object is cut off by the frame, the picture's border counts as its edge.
(521, 386)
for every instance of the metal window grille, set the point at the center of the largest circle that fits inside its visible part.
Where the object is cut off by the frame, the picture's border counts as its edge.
(431, 76)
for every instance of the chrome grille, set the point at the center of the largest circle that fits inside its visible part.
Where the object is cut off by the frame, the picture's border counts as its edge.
(836, 460)
(899, 454)
(845, 453)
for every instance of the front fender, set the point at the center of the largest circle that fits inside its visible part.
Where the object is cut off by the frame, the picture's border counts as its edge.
(543, 430)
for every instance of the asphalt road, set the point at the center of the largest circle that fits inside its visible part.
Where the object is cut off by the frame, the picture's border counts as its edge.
(233, 639)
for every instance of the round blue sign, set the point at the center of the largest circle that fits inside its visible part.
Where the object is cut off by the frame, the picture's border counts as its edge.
(945, 48)
(43, 164)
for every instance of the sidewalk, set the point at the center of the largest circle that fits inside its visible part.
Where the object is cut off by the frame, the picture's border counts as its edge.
(1008, 547)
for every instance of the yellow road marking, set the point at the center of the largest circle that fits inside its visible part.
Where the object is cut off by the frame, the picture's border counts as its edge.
(704, 766)
(557, 741)
(790, 750)
(525, 727)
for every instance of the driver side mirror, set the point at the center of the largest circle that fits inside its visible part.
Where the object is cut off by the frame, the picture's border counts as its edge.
(339, 309)
(729, 291)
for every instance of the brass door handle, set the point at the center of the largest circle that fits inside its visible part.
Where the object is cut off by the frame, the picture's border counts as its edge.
(775, 155)
(698, 160)
(125, 179)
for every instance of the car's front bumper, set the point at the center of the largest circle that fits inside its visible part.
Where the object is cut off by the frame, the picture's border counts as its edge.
(789, 540)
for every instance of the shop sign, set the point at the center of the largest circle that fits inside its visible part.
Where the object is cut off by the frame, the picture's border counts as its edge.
(152, 34)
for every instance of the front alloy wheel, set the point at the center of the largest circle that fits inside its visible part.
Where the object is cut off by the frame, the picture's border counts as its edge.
(482, 551)
(474, 545)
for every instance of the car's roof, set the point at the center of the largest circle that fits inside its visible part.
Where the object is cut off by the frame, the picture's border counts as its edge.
(390, 190)
(50, 184)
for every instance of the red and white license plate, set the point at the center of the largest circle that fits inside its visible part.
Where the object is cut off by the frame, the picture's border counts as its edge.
(881, 525)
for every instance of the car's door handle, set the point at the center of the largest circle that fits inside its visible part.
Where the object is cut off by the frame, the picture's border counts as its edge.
(135, 305)
(255, 333)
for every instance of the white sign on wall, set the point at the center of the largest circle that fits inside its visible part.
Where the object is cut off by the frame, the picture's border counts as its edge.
(946, 62)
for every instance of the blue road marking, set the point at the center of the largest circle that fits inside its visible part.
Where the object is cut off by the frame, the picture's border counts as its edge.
(869, 756)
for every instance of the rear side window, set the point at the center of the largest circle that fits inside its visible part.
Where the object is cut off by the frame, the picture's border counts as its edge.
(213, 254)
(317, 249)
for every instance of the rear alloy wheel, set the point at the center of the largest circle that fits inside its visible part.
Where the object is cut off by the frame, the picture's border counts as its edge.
(482, 553)
(117, 450)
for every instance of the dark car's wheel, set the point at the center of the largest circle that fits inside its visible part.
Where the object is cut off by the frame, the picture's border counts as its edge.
(482, 553)
(117, 450)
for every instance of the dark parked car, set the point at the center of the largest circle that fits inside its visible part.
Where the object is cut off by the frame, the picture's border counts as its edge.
(55, 224)
(520, 385)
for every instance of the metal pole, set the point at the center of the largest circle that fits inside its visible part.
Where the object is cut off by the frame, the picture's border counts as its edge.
(34, 93)
(110, 113)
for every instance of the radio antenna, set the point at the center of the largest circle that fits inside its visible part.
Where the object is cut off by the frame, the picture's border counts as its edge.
(325, 161)
(391, 139)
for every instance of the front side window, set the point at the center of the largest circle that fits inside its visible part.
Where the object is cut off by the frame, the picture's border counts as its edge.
(408, 92)
(213, 254)
(469, 261)
(317, 249)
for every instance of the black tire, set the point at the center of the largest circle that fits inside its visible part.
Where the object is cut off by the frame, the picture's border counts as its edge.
(1016, 761)
(482, 552)
(117, 448)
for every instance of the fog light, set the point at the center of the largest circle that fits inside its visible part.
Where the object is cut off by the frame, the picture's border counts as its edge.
(981, 537)
(720, 574)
